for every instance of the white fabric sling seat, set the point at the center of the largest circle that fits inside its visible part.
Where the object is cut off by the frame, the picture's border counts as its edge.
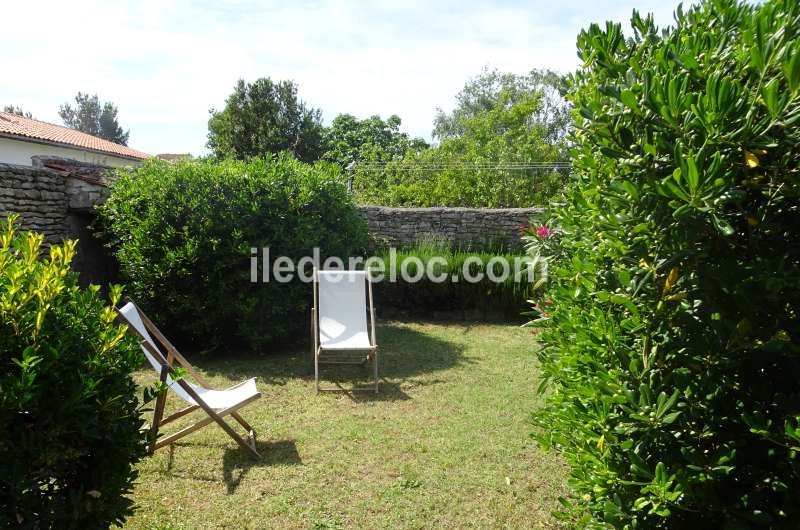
(216, 403)
(342, 302)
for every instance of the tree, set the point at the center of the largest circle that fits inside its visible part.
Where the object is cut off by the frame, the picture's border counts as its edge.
(349, 139)
(265, 117)
(12, 109)
(498, 148)
(91, 117)
(493, 89)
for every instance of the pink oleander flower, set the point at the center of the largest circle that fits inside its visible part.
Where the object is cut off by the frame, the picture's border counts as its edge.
(543, 232)
(541, 311)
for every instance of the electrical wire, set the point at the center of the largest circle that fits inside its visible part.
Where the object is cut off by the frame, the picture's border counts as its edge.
(480, 167)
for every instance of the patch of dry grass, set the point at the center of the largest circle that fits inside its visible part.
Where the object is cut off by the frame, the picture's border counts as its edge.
(445, 444)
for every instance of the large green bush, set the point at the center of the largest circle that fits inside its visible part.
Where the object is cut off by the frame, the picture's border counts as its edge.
(672, 345)
(69, 417)
(183, 235)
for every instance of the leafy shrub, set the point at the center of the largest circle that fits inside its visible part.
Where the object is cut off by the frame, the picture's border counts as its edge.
(425, 297)
(184, 233)
(69, 418)
(672, 346)
(434, 178)
(502, 123)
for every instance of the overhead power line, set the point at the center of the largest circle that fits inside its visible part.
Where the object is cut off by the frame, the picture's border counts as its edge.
(482, 167)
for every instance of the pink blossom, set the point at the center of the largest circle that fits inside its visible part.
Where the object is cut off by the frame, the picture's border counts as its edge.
(543, 232)
(541, 311)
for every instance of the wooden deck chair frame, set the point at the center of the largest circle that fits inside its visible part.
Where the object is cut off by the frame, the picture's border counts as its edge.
(318, 352)
(174, 358)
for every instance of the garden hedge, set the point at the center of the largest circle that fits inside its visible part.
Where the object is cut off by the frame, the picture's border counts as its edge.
(427, 297)
(183, 235)
(672, 342)
(69, 417)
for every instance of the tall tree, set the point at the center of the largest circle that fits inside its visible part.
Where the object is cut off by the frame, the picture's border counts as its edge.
(265, 117)
(492, 89)
(13, 109)
(500, 147)
(91, 117)
(349, 139)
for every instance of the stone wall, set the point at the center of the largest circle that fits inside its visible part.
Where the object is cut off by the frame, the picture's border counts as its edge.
(83, 194)
(472, 228)
(56, 197)
(38, 196)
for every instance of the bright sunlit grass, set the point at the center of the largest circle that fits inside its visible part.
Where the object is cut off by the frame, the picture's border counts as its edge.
(445, 444)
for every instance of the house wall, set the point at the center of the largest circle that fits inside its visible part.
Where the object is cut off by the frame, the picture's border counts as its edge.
(20, 152)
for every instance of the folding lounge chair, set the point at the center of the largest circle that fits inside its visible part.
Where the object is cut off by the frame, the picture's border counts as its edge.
(339, 321)
(216, 403)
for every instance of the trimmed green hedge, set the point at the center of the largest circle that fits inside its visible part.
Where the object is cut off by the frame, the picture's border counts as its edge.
(672, 346)
(183, 235)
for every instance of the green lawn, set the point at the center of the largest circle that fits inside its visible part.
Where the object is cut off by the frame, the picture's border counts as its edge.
(445, 444)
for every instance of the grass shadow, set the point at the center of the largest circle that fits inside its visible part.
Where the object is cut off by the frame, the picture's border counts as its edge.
(364, 391)
(404, 353)
(389, 391)
(236, 462)
(273, 453)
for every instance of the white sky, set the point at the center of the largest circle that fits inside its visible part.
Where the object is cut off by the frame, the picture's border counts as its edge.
(166, 63)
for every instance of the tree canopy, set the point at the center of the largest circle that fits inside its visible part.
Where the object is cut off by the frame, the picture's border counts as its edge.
(496, 90)
(13, 109)
(494, 149)
(92, 117)
(265, 117)
(498, 147)
(349, 139)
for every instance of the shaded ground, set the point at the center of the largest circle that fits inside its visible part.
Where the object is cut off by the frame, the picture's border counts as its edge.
(445, 444)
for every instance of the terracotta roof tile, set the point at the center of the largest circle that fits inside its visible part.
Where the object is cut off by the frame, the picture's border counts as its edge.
(15, 125)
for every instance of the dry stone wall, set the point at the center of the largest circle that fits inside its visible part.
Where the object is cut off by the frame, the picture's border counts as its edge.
(83, 195)
(471, 228)
(38, 196)
(60, 207)
(57, 202)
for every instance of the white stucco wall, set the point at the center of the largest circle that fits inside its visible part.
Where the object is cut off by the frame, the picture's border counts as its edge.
(20, 152)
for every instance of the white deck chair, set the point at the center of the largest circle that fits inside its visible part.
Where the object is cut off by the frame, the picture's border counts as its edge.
(216, 403)
(339, 321)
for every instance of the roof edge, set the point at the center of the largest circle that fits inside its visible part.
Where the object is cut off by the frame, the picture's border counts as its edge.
(23, 138)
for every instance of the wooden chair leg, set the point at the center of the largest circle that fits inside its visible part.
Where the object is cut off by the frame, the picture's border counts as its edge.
(217, 417)
(375, 367)
(313, 335)
(179, 414)
(233, 434)
(241, 421)
(316, 371)
(251, 433)
(158, 412)
(154, 430)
